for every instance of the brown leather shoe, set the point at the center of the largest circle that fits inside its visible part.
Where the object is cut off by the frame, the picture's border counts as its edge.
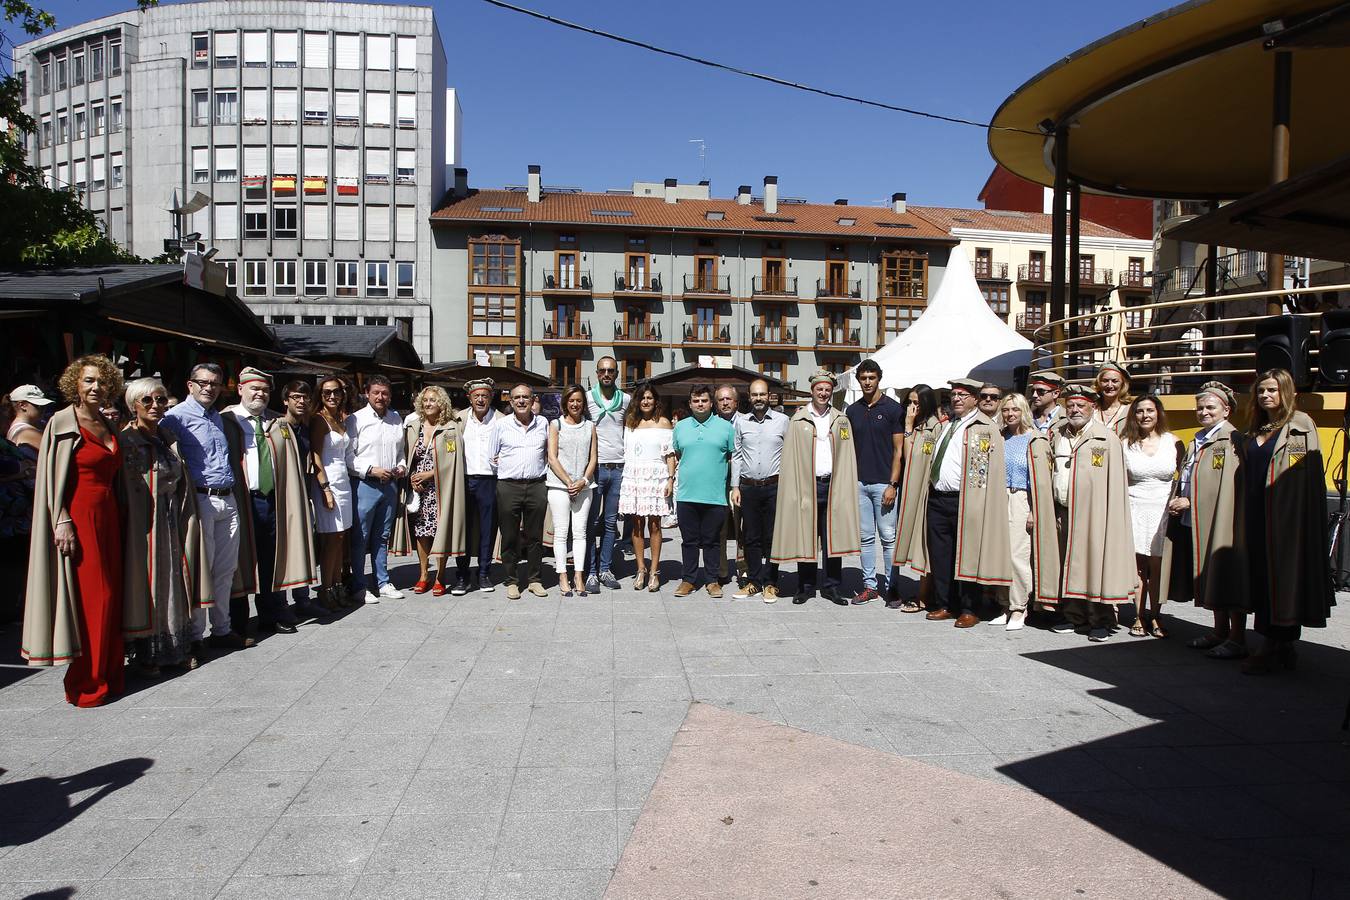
(684, 590)
(714, 590)
(939, 615)
(966, 620)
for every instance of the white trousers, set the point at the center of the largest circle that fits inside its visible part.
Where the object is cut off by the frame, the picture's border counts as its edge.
(220, 524)
(1015, 596)
(569, 517)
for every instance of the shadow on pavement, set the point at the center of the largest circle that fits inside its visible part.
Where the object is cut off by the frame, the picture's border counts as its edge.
(44, 804)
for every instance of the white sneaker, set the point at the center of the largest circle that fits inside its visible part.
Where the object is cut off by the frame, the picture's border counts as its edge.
(372, 597)
(1016, 621)
(389, 592)
(998, 620)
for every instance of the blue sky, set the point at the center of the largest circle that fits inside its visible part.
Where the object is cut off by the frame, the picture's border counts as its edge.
(597, 114)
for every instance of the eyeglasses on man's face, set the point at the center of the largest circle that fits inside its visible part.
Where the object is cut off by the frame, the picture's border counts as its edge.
(204, 384)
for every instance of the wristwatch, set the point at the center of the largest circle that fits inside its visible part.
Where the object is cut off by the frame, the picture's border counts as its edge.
(896, 485)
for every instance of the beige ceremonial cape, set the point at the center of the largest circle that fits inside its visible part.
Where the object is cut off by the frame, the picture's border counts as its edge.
(913, 496)
(295, 556)
(1216, 574)
(142, 534)
(447, 442)
(794, 526)
(983, 550)
(51, 635)
(1296, 550)
(1098, 560)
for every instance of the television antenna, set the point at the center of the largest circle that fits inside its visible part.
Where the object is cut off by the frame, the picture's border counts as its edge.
(702, 157)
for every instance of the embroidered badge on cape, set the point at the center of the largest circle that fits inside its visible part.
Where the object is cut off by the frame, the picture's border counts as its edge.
(843, 433)
(285, 432)
(1218, 460)
(1098, 458)
(1298, 448)
(928, 447)
(450, 446)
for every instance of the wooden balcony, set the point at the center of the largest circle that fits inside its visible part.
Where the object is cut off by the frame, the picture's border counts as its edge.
(567, 283)
(647, 287)
(707, 335)
(774, 286)
(637, 335)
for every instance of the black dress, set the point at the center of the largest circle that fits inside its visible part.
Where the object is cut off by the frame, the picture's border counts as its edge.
(1256, 465)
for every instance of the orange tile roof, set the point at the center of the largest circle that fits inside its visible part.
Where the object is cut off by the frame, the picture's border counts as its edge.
(949, 218)
(690, 215)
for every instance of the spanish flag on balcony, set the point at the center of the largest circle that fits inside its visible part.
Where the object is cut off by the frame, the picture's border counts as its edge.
(316, 184)
(282, 183)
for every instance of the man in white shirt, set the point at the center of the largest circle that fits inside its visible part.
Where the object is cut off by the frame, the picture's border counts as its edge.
(518, 445)
(607, 405)
(480, 482)
(375, 460)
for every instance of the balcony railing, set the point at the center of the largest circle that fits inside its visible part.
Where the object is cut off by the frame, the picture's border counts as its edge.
(633, 333)
(628, 283)
(567, 331)
(838, 289)
(567, 281)
(776, 334)
(774, 285)
(992, 270)
(839, 337)
(1030, 322)
(1033, 273)
(1094, 277)
(1235, 271)
(707, 334)
(1135, 279)
(699, 283)
(902, 290)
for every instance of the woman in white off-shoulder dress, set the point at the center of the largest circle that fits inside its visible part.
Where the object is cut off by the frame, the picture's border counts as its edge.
(330, 488)
(648, 480)
(1152, 459)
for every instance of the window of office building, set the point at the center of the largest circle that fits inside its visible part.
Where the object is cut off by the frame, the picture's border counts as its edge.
(81, 124)
(255, 171)
(345, 275)
(227, 164)
(494, 263)
(77, 68)
(283, 106)
(377, 279)
(405, 166)
(316, 278)
(45, 135)
(255, 277)
(346, 51)
(407, 110)
(380, 321)
(201, 107)
(377, 109)
(201, 165)
(115, 115)
(115, 57)
(316, 49)
(404, 272)
(377, 52)
(226, 224)
(316, 221)
(96, 62)
(116, 171)
(63, 175)
(284, 163)
(227, 106)
(62, 69)
(347, 107)
(313, 320)
(493, 315)
(255, 220)
(283, 275)
(283, 221)
(316, 106)
(346, 222)
(81, 174)
(285, 49)
(344, 320)
(45, 79)
(227, 49)
(255, 49)
(231, 271)
(255, 106)
(98, 179)
(407, 53)
(405, 223)
(283, 320)
(201, 50)
(377, 165)
(316, 167)
(62, 128)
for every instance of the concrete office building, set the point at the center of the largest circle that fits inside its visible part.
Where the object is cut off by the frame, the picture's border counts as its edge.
(663, 274)
(318, 134)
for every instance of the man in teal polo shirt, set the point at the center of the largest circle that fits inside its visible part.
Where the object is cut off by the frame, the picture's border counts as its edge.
(703, 442)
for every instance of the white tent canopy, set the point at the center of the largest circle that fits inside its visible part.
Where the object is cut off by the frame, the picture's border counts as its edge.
(957, 336)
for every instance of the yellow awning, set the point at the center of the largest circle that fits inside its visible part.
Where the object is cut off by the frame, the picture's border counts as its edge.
(1180, 104)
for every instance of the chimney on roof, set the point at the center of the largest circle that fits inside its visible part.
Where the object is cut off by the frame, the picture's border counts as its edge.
(898, 202)
(670, 189)
(842, 201)
(461, 188)
(743, 195)
(770, 194)
(534, 185)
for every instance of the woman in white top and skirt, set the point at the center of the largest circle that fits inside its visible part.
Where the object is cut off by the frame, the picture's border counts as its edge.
(331, 489)
(570, 477)
(1153, 456)
(648, 481)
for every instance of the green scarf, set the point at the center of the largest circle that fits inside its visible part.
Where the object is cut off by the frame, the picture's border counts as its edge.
(606, 406)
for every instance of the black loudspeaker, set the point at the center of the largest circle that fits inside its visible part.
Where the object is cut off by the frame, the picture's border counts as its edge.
(1282, 343)
(1020, 376)
(1333, 355)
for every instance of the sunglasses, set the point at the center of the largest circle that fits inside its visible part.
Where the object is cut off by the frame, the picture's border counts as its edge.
(333, 392)
(1036, 392)
(154, 401)
(990, 396)
(608, 371)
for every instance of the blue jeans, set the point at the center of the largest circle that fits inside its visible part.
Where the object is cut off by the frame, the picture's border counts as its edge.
(371, 526)
(604, 516)
(875, 521)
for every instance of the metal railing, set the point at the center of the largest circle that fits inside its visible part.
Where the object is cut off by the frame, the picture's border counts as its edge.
(841, 288)
(566, 330)
(628, 282)
(1246, 268)
(699, 283)
(1173, 346)
(567, 280)
(774, 285)
(634, 333)
(839, 337)
(707, 334)
(1133, 279)
(1094, 277)
(775, 334)
(1033, 273)
(998, 270)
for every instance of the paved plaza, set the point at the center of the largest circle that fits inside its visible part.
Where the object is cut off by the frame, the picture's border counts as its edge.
(646, 746)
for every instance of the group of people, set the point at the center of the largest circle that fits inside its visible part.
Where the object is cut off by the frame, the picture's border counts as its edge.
(1073, 500)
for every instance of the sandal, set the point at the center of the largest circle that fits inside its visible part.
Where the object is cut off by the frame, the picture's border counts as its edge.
(1157, 629)
(654, 584)
(438, 589)
(1137, 629)
(640, 580)
(910, 606)
(1228, 650)
(1206, 642)
(420, 587)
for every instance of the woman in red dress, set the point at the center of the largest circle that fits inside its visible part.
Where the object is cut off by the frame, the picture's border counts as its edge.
(74, 608)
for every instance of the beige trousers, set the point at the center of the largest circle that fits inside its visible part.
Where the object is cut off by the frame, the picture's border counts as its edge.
(1014, 597)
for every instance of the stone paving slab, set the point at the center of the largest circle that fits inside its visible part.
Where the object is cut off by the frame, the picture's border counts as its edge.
(479, 747)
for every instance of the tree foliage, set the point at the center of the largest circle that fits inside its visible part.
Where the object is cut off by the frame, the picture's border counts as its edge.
(43, 226)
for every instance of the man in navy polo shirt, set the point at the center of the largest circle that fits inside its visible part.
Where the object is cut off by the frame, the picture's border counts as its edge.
(878, 425)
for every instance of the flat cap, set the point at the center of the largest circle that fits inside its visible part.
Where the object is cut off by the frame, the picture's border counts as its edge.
(967, 384)
(1079, 390)
(1054, 379)
(248, 373)
(479, 384)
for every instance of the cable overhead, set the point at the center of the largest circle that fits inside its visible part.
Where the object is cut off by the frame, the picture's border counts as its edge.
(782, 82)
